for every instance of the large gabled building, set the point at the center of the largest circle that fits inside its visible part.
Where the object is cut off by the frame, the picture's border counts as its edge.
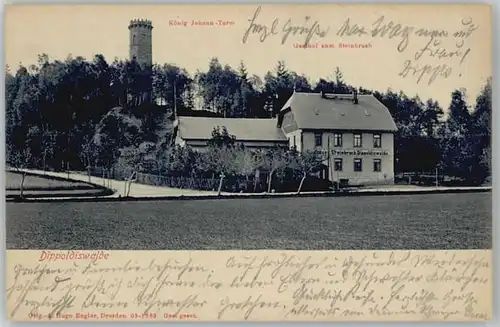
(355, 133)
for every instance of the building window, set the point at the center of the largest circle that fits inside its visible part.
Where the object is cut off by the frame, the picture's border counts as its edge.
(358, 164)
(358, 141)
(337, 140)
(294, 142)
(337, 164)
(377, 165)
(318, 139)
(377, 141)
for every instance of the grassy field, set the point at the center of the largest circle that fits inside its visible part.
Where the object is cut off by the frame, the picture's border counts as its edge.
(441, 221)
(33, 182)
(31, 194)
(46, 186)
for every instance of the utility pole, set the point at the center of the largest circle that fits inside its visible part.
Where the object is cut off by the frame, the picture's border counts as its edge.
(437, 179)
(330, 175)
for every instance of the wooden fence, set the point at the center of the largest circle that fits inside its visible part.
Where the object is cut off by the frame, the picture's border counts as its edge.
(434, 178)
(230, 183)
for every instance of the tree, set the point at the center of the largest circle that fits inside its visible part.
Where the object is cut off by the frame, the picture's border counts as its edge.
(300, 83)
(340, 86)
(324, 86)
(12, 121)
(218, 87)
(221, 137)
(274, 160)
(246, 162)
(459, 119)
(279, 86)
(19, 159)
(88, 153)
(221, 160)
(306, 163)
(480, 133)
(139, 158)
(172, 88)
(114, 132)
(482, 116)
(430, 118)
(244, 96)
(181, 161)
(458, 151)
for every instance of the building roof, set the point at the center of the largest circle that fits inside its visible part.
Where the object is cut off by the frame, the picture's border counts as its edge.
(337, 111)
(244, 129)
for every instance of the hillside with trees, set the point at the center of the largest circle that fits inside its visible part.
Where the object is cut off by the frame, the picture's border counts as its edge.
(76, 114)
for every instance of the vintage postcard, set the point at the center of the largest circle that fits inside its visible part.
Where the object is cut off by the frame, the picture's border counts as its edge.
(248, 162)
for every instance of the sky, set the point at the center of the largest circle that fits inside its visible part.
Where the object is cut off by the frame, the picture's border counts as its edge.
(389, 61)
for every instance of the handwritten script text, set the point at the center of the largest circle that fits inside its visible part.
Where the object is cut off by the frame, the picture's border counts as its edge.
(210, 285)
(428, 53)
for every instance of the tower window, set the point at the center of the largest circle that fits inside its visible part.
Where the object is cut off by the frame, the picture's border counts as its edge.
(134, 40)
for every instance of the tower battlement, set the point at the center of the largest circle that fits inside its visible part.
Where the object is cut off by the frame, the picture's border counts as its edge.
(144, 23)
(141, 39)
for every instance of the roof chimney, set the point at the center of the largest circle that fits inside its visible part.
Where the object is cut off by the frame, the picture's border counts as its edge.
(355, 96)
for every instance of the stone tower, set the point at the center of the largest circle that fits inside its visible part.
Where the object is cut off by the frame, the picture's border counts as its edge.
(141, 49)
(141, 45)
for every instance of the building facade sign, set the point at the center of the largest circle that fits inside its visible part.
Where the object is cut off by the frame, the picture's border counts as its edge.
(358, 152)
